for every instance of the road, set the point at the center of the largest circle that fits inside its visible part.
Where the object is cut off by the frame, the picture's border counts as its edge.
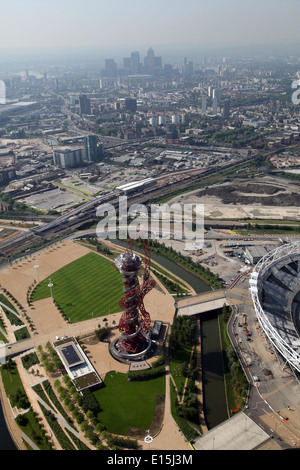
(70, 329)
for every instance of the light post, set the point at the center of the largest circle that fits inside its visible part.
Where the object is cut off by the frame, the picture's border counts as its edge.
(50, 285)
(36, 266)
(148, 439)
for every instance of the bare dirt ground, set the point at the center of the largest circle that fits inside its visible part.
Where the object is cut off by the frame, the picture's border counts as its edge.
(261, 198)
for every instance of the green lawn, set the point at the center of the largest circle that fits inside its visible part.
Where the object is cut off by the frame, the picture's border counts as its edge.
(84, 286)
(179, 355)
(127, 404)
(12, 381)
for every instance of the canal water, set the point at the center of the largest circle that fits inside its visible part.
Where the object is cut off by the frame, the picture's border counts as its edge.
(214, 393)
(6, 442)
(194, 281)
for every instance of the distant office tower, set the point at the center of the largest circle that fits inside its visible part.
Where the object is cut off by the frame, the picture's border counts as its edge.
(68, 157)
(168, 70)
(158, 62)
(215, 106)
(135, 62)
(217, 93)
(226, 109)
(149, 61)
(188, 67)
(2, 92)
(171, 132)
(210, 91)
(153, 121)
(130, 104)
(84, 105)
(162, 120)
(92, 152)
(110, 67)
(175, 119)
(152, 64)
(184, 118)
(127, 63)
(204, 104)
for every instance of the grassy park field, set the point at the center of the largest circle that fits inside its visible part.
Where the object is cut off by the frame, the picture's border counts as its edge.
(86, 287)
(127, 404)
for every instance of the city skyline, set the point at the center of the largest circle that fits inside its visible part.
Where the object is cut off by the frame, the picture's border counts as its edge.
(68, 24)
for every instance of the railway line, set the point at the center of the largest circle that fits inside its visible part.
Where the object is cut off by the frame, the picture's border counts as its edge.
(87, 212)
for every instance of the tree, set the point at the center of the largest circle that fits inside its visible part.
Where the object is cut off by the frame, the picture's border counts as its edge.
(84, 426)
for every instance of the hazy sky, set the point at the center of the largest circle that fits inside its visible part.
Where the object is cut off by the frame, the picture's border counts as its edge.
(52, 23)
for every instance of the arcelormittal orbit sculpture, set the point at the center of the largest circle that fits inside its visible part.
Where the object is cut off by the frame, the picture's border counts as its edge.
(134, 324)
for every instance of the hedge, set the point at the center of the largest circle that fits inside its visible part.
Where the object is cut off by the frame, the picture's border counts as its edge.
(147, 373)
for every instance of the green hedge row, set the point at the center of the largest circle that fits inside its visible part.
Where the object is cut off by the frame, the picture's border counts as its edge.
(147, 373)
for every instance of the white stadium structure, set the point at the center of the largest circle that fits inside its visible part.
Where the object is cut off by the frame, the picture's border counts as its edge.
(275, 291)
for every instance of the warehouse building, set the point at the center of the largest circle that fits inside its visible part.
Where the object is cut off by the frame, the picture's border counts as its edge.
(255, 253)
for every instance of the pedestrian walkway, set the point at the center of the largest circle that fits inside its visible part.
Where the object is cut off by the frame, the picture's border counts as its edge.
(29, 441)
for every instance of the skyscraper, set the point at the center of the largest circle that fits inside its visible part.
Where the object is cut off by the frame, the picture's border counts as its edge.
(226, 109)
(2, 92)
(110, 67)
(127, 63)
(135, 62)
(204, 100)
(188, 67)
(130, 104)
(217, 93)
(171, 132)
(152, 63)
(215, 106)
(149, 61)
(84, 105)
(93, 152)
(90, 144)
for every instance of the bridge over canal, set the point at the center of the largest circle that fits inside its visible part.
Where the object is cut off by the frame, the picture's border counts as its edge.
(209, 301)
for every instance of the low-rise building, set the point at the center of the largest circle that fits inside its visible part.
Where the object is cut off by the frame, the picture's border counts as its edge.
(78, 366)
(255, 253)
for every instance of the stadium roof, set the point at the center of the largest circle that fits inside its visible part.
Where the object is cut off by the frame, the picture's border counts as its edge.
(275, 291)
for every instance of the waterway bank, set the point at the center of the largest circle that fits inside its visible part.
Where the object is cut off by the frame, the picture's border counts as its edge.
(213, 377)
(7, 441)
(194, 281)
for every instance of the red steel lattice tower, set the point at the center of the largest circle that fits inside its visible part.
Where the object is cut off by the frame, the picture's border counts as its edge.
(134, 324)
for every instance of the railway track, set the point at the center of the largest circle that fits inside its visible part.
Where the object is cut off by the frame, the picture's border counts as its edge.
(21, 242)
